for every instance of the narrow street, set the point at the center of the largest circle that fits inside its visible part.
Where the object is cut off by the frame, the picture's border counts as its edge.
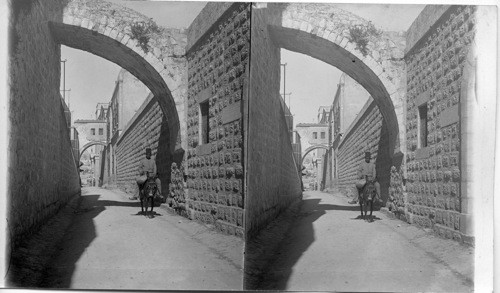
(110, 246)
(328, 247)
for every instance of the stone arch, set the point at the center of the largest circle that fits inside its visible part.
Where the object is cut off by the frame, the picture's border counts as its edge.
(322, 31)
(156, 57)
(312, 148)
(87, 145)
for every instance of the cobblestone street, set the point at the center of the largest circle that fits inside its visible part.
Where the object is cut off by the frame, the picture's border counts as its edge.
(109, 246)
(329, 248)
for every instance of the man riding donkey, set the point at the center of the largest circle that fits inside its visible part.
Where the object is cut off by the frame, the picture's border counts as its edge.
(366, 175)
(147, 167)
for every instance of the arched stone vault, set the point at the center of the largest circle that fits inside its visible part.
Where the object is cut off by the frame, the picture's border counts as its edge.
(312, 148)
(87, 145)
(107, 30)
(324, 32)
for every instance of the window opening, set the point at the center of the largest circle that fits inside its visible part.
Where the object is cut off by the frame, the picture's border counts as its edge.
(422, 115)
(204, 123)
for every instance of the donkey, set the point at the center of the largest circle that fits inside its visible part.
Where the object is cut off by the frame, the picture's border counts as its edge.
(147, 195)
(367, 196)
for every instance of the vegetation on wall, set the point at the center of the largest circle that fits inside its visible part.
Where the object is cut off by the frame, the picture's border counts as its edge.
(360, 34)
(142, 31)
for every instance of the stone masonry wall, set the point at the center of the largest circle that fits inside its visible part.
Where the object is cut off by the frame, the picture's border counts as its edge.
(273, 178)
(146, 129)
(434, 76)
(367, 133)
(216, 74)
(42, 171)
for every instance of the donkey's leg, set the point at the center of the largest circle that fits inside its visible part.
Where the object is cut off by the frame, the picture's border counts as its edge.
(150, 213)
(371, 207)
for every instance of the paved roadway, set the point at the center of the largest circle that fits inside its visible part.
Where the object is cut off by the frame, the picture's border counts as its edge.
(329, 248)
(109, 246)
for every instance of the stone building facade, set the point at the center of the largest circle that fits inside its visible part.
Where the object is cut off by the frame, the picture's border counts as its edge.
(348, 103)
(42, 174)
(218, 57)
(435, 60)
(368, 132)
(147, 128)
(312, 134)
(128, 96)
(90, 130)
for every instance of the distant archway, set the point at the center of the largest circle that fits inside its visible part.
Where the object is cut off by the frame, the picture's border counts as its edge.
(86, 146)
(312, 148)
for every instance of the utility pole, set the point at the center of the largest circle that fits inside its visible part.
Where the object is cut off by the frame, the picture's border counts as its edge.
(64, 79)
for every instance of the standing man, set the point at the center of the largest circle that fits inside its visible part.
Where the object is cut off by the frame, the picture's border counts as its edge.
(80, 164)
(147, 166)
(366, 172)
(301, 173)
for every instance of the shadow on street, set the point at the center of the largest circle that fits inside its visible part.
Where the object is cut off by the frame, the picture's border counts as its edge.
(373, 217)
(139, 213)
(112, 203)
(60, 270)
(300, 236)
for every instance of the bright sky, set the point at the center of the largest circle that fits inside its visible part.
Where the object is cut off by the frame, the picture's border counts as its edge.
(92, 79)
